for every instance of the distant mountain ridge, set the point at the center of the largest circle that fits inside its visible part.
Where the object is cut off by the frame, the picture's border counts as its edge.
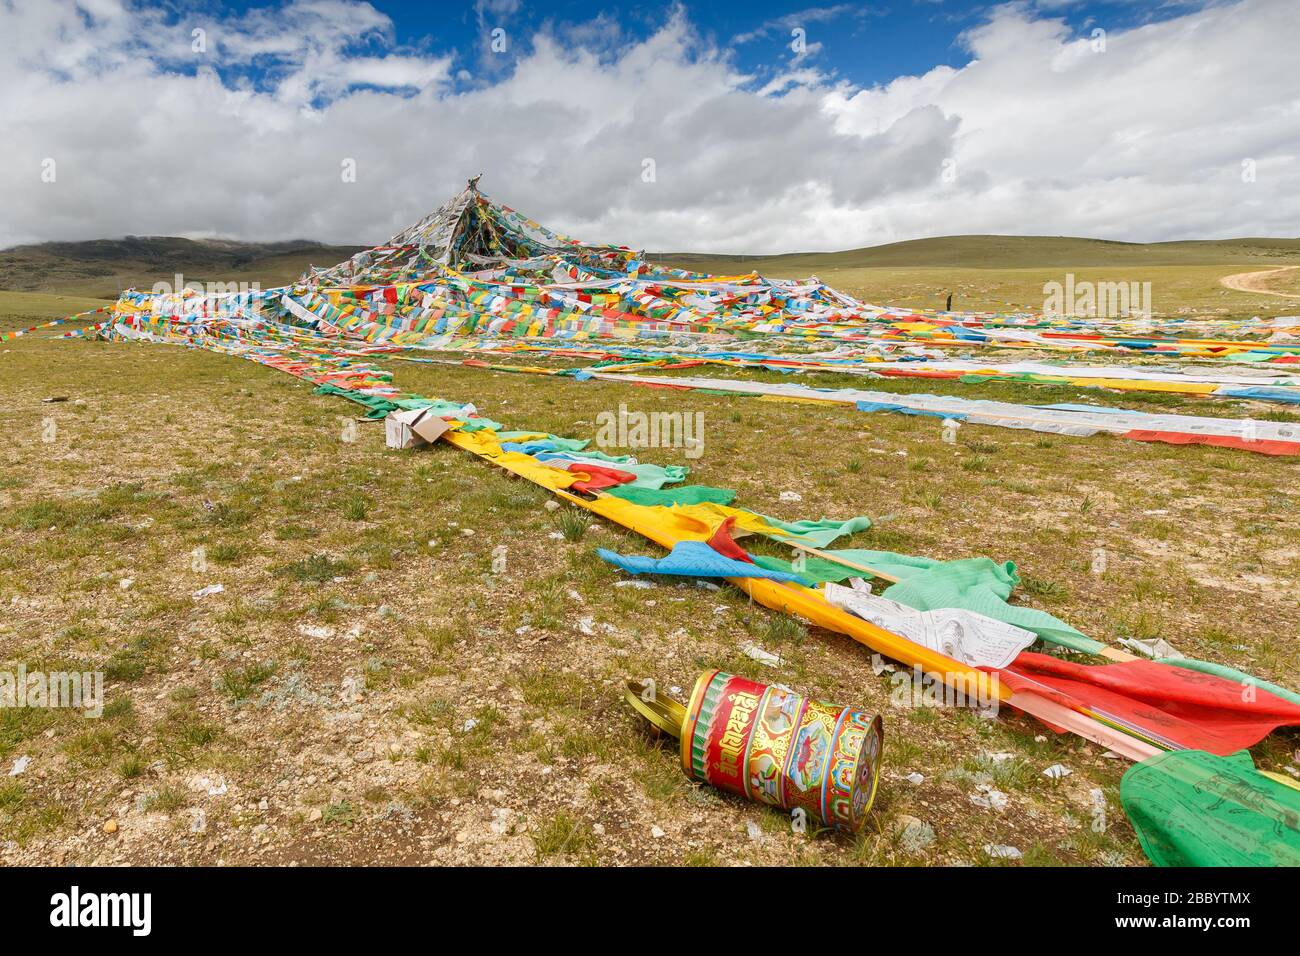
(103, 267)
(1006, 252)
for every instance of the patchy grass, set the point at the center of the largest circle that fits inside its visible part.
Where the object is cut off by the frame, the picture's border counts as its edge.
(164, 800)
(240, 683)
(416, 692)
(316, 569)
(572, 523)
(342, 814)
(561, 835)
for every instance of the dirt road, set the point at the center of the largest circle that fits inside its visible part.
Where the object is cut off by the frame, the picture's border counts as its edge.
(1257, 281)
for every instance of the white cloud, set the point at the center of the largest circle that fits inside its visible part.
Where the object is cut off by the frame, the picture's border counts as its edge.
(801, 19)
(1142, 141)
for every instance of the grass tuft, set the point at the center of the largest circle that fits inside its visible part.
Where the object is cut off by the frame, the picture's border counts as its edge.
(572, 524)
(316, 569)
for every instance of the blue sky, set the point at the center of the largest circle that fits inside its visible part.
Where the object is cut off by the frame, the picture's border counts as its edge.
(863, 44)
(682, 127)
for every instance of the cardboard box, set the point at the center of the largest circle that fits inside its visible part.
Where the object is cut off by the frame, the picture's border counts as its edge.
(413, 428)
(430, 428)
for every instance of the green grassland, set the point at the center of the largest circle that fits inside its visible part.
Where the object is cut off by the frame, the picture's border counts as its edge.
(1005, 273)
(102, 268)
(366, 689)
(1015, 252)
(1176, 291)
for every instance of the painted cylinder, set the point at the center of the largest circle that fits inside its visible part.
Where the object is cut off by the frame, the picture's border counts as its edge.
(770, 744)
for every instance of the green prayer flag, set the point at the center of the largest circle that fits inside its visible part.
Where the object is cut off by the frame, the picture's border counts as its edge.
(926, 584)
(816, 534)
(1191, 808)
(681, 495)
(377, 407)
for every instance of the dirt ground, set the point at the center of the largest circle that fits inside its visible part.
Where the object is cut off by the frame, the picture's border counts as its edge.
(365, 688)
(1260, 282)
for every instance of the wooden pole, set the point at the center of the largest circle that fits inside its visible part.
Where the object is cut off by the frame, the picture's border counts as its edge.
(865, 569)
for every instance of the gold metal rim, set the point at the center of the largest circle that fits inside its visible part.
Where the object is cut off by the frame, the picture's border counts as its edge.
(663, 712)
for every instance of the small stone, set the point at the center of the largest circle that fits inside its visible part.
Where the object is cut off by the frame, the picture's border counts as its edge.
(363, 756)
(999, 851)
(110, 826)
(315, 815)
(657, 833)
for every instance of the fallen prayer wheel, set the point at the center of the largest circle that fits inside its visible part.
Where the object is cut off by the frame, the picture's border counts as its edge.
(772, 745)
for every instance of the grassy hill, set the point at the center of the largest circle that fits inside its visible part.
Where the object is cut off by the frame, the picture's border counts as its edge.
(982, 272)
(1008, 273)
(100, 268)
(1003, 252)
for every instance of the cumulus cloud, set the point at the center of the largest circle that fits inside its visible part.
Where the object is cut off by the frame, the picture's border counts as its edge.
(1041, 132)
(1144, 134)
